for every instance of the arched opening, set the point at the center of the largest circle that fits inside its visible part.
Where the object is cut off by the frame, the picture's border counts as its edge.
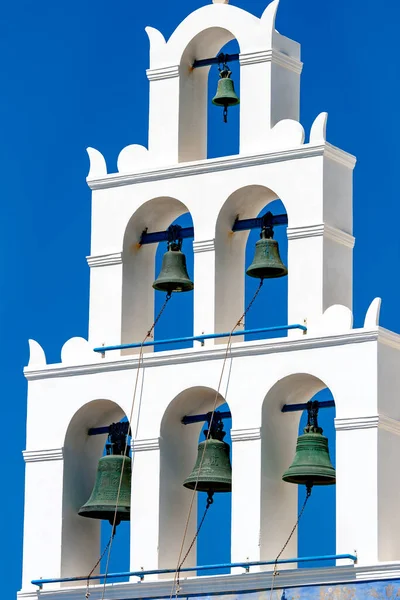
(280, 500)
(177, 321)
(81, 547)
(272, 308)
(195, 92)
(223, 138)
(139, 267)
(231, 259)
(178, 453)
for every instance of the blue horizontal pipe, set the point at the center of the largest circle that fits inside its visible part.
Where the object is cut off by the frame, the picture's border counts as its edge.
(188, 232)
(303, 406)
(199, 338)
(244, 565)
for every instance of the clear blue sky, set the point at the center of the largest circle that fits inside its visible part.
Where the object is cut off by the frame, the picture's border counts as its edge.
(73, 75)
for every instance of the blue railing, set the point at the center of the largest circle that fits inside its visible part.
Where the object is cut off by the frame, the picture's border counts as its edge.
(243, 565)
(200, 338)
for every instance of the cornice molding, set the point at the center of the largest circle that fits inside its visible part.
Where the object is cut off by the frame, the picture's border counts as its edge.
(223, 584)
(43, 455)
(246, 435)
(225, 163)
(389, 338)
(273, 56)
(145, 445)
(373, 422)
(204, 246)
(321, 229)
(163, 73)
(204, 353)
(105, 260)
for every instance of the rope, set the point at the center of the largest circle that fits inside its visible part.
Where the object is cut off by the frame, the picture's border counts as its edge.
(275, 572)
(96, 565)
(114, 523)
(210, 501)
(181, 562)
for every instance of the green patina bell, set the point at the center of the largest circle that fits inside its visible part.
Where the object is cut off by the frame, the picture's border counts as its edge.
(173, 276)
(312, 464)
(102, 503)
(267, 263)
(213, 471)
(226, 95)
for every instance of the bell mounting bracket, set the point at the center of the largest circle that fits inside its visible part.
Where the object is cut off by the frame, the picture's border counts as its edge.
(312, 418)
(116, 432)
(312, 414)
(221, 59)
(182, 233)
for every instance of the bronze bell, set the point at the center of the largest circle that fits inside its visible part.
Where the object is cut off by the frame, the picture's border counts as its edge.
(225, 95)
(267, 263)
(312, 464)
(212, 471)
(173, 276)
(104, 501)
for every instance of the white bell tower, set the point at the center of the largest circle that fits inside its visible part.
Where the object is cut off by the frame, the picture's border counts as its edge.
(86, 389)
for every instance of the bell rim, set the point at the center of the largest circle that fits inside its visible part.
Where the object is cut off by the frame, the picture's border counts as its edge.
(223, 104)
(168, 289)
(191, 485)
(299, 480)
(104, 513)
(253, 273)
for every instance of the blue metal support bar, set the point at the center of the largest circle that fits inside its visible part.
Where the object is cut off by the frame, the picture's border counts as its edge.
(199, 338)
(162, 236)
(188, 420)
(243, 224)
(298, 407)
(217, 60)
(188, 232)
(244, 565)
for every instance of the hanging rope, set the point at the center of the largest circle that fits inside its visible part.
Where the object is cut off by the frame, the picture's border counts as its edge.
(210, 501)
(114, 523)
(180, 562)
(275, 572)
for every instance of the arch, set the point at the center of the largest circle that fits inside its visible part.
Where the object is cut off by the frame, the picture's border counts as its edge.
(178, 451)
(81, 537)
(279, 434)
(227, 21)
(138, 265)
(230, 247)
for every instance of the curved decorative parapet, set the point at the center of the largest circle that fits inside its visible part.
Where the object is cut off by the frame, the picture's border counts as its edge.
(372, 317)
(37, 356)
(336, 319)
(98, 166)
(287, 133)
(133, 157)
(77, 351)
(318, 129)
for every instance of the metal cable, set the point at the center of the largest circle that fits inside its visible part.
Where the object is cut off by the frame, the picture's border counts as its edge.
(114, 524)
(228, 347)
(275, 572)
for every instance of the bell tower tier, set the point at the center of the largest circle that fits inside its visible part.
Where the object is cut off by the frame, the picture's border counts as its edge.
(74, 404)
